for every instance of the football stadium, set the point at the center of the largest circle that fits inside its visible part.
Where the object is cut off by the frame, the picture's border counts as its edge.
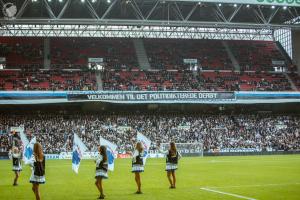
(150, 99)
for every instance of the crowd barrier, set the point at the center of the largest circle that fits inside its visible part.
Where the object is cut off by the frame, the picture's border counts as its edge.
(92, 155)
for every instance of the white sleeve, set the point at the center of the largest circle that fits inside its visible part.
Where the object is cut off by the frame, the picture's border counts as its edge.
(99, 159)
(135, 154)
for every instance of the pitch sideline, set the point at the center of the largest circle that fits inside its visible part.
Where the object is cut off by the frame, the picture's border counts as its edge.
(257, 185)
(227, 193)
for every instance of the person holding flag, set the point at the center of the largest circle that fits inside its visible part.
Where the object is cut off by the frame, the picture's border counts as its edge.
(111, 150)
(78, 149)
(104, 162)
(101, 170)
(16, 157)
(139, 157)
(138, 165)
(38, 169)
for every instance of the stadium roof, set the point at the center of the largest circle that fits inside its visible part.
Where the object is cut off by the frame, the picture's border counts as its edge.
(206, 14)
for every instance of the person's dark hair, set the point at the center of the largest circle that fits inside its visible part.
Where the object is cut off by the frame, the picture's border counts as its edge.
(103, 153)
(139, 147)
(173, 148)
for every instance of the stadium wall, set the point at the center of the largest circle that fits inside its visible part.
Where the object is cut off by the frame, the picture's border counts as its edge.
(67, 156)
(296, 48)
(250, 153)
(159, 155)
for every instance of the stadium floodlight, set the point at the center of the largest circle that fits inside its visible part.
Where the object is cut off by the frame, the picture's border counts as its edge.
(235, 5)
(284, 7)
(93, 1)
(9, 10)
(49, 0)
(82, 1)
(273, 7)
(220, 4)
(248, 6)
(108, 1)
(60, 0)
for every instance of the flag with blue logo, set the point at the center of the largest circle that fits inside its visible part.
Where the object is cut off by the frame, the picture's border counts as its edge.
(146, 142)
(28, 150)
(111, 150)
(78, 149)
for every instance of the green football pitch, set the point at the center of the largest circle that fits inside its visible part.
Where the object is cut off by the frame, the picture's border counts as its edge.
(248, 177)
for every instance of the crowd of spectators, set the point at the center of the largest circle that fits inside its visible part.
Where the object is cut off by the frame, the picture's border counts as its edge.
(194, 81)
(216, 132)
(47, 80)
(136, 80)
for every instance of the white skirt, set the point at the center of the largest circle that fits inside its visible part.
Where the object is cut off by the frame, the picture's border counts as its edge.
(171, 167)
(37, 179)
(101, 173)
(137, 168)
(17, 168)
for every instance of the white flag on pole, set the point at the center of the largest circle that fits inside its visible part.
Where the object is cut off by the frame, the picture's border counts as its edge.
(78, 149)
(146, 142)
(28, 150)
(24, 139)
(111, 151)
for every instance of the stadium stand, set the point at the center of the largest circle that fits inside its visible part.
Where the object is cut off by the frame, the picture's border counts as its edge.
(22, 52)
(296, 80)
(155, 80)
(120, 53)
(268, 132)
(255, 55)
(47, 80)
(169, 54)
(169, 72)
(117, 53)
(189, 80)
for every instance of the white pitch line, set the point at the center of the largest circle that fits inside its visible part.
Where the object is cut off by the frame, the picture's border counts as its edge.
(229, 194)
(257, 185)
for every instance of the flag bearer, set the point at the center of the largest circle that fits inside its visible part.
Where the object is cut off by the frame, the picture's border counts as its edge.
(101, 170)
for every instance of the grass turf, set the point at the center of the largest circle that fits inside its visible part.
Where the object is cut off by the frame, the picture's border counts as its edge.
(258, 177)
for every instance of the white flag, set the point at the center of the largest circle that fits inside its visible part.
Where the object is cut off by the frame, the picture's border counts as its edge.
(78, 149)
(28, 150)
(24, 139)
(111, 151)
(146, 142)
